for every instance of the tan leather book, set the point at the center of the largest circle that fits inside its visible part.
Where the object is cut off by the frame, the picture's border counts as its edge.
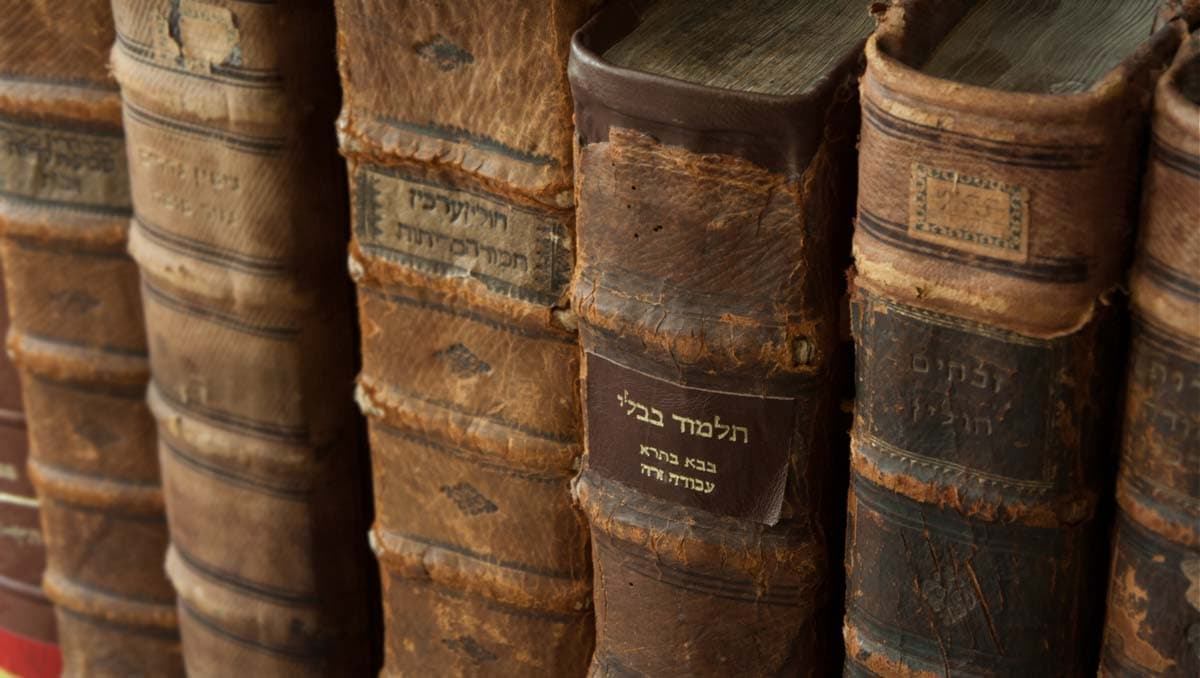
(1153, 622)
(456, 127)
(28, 641)
(239, 229)
(998, 188)
(715, 187)
(77, 339)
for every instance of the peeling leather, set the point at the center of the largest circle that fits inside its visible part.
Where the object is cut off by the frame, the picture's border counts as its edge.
(707, 259)
(456, 127)
(986, 380)
(1153, 621)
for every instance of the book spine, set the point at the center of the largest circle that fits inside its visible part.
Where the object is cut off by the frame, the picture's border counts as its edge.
(239, 229)
(462, 250)
(985, 361)
(707, 288)
(1153, 621)
(28, 644)
(77, 339)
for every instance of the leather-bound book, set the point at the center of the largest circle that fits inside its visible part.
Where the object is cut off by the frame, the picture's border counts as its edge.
(998, 187)
(715, 188)
(240, 227)
(1153, 621)
(77, 339)
(456, 127)
(28, 645)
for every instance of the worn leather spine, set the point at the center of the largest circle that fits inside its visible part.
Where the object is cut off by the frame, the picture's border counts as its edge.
(456, 128)
(707, 287)
(28, 641)
(1153, 623)
(239, 229)
(77, 338)
(986, 376)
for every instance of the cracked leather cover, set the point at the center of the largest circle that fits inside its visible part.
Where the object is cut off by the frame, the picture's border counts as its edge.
(1153, 622)
(239, 229)
(707, 285)
(456, 128)
(77, 339)
(986, 355)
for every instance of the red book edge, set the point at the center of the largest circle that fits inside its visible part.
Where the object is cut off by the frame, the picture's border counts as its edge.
(28, 658)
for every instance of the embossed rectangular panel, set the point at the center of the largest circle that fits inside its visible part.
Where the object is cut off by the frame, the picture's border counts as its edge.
(451, 232)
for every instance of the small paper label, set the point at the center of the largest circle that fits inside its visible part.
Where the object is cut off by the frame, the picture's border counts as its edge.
(725, 453)
(969, 213)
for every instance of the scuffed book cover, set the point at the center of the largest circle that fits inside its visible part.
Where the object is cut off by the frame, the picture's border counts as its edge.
(463, 246)
(77, 339)
(993, 225)
(456, 127)
(707, 289)
(239, 229)
(1153, 622)
(28, 640)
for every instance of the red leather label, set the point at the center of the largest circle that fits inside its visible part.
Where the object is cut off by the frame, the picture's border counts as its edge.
(725, 453)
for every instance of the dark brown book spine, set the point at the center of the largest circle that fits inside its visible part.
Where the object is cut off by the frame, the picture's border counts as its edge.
(707, 288)
(239, 229)
(1153, 622)
(78, 340)
(985, 374)
(28, 645)
(456, 127)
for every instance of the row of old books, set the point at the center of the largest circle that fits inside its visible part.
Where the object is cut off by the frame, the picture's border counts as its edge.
(607, 348)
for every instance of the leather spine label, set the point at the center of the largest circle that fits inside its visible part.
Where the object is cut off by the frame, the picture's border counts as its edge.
(969, 213)
(1162, 428)
(452, 233)
(725, 453)
(63, 167)
(958, 398)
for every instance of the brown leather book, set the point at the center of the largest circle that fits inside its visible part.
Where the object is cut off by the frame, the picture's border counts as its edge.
(28, 642)
(715, 187)
(77, 339)
(1153, 622)
(456, 127)
(239, 229)
(998, 188)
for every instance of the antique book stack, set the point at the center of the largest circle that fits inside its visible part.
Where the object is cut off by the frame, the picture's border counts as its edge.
(1153, 622)
(28, 645)
(456, 127)
(77, 338)
(715, 183)
(240, 228)
(998, 189)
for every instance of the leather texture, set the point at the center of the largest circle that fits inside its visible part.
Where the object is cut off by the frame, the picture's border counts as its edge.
(239, 229)
(707, 284)
(77, 339)
(986, 359)
(1153, 622)
(30, 643)
(457, 131)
